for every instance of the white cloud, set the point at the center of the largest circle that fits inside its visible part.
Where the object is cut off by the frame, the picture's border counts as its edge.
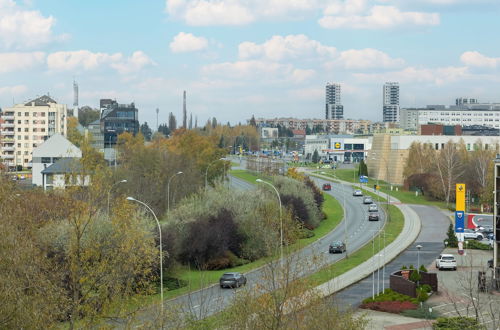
(347, 7)
(476, 59)
(9, 91)
(367, 58)
(24, 28)
(187, 42)
(380, 17)
(10, 62)
(237, 12)
(247, 70)
(300, 75)
(290, 47)
(437, 76)
(87, 60)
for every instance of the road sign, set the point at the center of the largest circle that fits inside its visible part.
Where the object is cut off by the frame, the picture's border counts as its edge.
(459, 221)
(363, 179)
(460, 197)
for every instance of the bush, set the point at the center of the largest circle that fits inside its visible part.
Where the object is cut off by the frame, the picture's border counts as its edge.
(423, 269)
(426, 287)
(395, 307)
(317, 193)
(457, 323)
(415, 276)
(422, 295)
(421, 313)
(477, 245)
(404, 267)
(391, 295)
(451, 237)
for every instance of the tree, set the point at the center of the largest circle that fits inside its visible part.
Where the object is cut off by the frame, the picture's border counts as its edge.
(172, 122)
(362, 168)
(87, 115)
(315, 157)
(146, 131)
(252, 122)
(214, 122)
(449, 167)
(163, 128)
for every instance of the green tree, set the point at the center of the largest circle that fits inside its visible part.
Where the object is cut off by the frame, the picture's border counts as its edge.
(315, 157)
(451, 238)
(146, 131)
(87, 115)
(163, 128)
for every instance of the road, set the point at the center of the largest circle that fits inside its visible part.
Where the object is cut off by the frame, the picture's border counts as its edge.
(434, 227)
(359, 230)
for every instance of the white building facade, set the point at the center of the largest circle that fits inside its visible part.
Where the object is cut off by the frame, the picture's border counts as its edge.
(337, 148)
(390, 111)
(28, 125)
(334, 108)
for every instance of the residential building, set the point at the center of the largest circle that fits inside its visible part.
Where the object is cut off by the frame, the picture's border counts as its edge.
(334, 107)
(391, 102)
(28, 125)
(334, 126)
(268, 133)
(64, 173)
(57, 147)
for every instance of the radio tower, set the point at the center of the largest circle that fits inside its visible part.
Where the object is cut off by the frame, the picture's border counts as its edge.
(75, 99)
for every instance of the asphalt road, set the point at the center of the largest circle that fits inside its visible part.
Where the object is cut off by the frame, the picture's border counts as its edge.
(434, 227)
(359, 230)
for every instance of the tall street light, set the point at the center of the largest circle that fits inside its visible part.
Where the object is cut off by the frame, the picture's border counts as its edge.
(168, 189)
(109, 191)
(418, 258)
(132, 199)
(281, 217)
(206, 171)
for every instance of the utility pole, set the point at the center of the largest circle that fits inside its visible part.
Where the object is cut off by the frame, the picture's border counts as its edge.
(157, 111)
(184, 111)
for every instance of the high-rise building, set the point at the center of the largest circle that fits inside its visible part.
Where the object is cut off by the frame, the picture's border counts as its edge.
(391, 102)
(25, 126)
(116, 119)
(334, 107)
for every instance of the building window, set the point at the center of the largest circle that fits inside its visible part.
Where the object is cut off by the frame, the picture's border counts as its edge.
(26, 137)
(26, 160)
(26, 129)
(45, 160)
(19, 137)
(19, 152)
(19, 145)
(26, 114)
(26, 145)
(19, 114)
(19, 129)
(26, 153)
(34, 145)
(19, 122)
(43, 114)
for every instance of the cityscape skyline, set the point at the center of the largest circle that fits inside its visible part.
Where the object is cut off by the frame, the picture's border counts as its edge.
(263, 59)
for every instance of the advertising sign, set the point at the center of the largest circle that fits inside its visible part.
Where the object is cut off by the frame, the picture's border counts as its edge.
(459, 221)
(337, 145)
(460, 197)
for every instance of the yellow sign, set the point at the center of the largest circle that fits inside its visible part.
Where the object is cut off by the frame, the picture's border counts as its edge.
(337, 145)
(460, 197)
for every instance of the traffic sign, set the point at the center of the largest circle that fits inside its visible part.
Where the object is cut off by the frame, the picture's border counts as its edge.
(363, 179)
(459, 221)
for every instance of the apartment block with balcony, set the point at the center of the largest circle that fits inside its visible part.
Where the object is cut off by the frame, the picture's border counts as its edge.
(26, 126)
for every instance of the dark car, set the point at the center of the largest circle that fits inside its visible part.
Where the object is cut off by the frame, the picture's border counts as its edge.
(490, 263)
(373, 216)
(337, 246)
(327, 186)
(232, 280)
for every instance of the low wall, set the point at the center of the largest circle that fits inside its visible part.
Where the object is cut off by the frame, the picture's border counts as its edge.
(401, 284)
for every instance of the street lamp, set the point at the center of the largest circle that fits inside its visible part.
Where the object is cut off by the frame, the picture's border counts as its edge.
(208, 166)
(418, 257)
(168, 190)
(132, 199)
(109, 191)
(281, 216)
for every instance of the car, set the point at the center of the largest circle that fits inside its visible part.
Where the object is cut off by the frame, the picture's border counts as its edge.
(471, 234)
(373, 208)
(446, 261)
(373, 216)
(337, 246)
(357, 193)
(491, 236)
(367, 200)
(486, 229)
(327, 186)
(490, 263)
(232, 280)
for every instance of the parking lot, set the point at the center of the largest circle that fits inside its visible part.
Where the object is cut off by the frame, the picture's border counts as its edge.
(458, 290)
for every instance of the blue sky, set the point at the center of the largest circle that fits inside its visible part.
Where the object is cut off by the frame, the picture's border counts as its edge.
(235, 58)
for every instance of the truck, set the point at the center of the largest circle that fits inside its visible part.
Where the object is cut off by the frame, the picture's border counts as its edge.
(446, 261)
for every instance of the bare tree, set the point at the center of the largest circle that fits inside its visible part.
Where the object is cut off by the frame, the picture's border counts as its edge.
(449, 167)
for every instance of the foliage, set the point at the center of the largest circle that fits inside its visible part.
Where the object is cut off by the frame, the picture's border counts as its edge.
(451, 238)
(415, 276)
(404, 267)
(87, 115)
(471, 244)
(146, 131)
(362, 168)
(390, 295)
(172, 122)
(422, 295)
(317, 193)
(421, 313)
(457, 323)
(163, 128)
(423, 269)
(315, 157)
(395, 307)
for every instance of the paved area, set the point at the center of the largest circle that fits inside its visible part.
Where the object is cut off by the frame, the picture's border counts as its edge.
(388, 321)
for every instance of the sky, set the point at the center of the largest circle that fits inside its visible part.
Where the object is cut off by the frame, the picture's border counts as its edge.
(238, 58)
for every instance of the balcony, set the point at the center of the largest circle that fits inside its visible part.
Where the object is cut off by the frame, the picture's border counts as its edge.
(8, 156)
(7, 133)
(5, 117)
(4, 148)
(5, 125)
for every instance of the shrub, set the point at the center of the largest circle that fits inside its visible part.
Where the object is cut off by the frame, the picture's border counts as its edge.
(317, 194)
(390, 295)
(404, 267)
(477, 245)
(457, 323)
(422, 295)
(426, 287)
(389, 306)
(423, 269)
(451, 237)
(415, 276)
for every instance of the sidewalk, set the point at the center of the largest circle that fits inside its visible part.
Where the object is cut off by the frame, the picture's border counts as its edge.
(389, 321)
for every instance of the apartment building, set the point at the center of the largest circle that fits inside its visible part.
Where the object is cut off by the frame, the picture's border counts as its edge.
(391, 102)
(334, 108)
(26, 126)
(334, 126)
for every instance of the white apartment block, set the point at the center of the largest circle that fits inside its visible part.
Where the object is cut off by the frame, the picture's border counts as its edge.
(334, 107)
(26, 126)
(411, 119)
(334, 126)
(391, 102)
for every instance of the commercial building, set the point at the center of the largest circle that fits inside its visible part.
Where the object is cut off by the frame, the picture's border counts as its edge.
(337, 148)
(334, 107)
(390, 102)
(388, 153)
(116, 119)
(26, 126)
(465, 112)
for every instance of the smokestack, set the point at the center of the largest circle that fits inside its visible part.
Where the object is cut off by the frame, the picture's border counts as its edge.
(75, 99)
(184, 112)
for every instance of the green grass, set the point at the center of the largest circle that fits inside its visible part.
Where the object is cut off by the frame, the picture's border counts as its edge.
(246, 175)
(392, 229)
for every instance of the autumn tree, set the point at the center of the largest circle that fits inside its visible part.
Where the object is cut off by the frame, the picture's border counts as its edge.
(87, 115)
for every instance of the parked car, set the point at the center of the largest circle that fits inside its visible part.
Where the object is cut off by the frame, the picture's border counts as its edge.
(486, 229)
(232, 280)
(491, 236)
(471, 234)
(373, 208)
(327, 187)
(373, 216)
(357, 193)
(446, 261)
(490, 263)
(367, 200)
(337, 246)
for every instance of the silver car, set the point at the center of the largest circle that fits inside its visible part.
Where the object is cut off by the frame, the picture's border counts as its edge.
(373, 208)
(357, 193)
(367, 200)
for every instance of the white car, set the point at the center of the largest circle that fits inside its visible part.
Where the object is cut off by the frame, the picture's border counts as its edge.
(446, 261)
(372, 208)
(357, 193)
(471, 234)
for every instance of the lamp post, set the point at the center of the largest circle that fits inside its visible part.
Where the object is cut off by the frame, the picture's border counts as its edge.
(132, 199)
(418, 257)
(168, 189)
(206, 171)
(281, 217)
(109, 191)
